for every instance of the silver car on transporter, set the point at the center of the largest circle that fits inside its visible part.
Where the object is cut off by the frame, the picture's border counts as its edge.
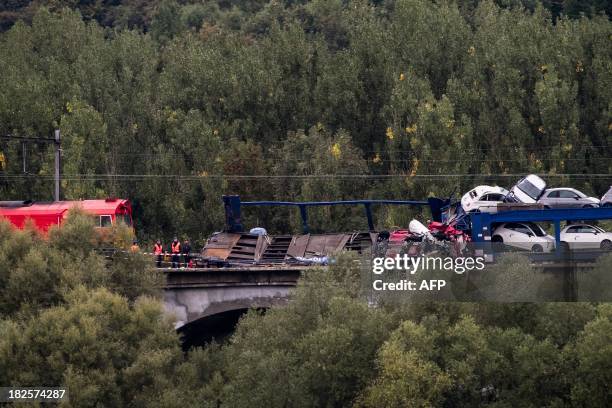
(567, 198)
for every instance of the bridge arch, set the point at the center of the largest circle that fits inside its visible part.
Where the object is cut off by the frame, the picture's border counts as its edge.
(188, 305)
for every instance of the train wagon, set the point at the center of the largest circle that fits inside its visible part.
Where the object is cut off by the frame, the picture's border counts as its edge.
(47, 214)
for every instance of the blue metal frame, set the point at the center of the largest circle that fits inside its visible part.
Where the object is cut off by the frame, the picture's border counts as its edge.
(233, 208)
(481, 222)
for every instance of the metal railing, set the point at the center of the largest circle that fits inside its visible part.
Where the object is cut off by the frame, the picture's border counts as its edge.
(233, 206)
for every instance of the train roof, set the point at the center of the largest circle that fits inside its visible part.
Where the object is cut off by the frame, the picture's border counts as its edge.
(99, 207)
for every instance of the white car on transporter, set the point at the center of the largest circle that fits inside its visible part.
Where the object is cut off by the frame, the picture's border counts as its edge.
(584, 236)
(483, 199)
(528, 190)
(527, 236)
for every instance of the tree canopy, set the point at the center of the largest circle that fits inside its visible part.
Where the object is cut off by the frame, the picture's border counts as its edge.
(172, 104)
(396, 99)
(70, 317)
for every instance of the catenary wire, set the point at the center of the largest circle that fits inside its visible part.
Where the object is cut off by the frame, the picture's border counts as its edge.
(102, 177)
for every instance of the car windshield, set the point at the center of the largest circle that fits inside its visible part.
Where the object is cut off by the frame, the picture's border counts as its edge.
(537, 229)
(529, 189)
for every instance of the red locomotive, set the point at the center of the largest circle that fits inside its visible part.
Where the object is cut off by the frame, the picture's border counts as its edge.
(47, 214)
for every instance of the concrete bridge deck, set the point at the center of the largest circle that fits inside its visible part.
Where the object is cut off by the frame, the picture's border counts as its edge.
(232, 276)
(197, 293)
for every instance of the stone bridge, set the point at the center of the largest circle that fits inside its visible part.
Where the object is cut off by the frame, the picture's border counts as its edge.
(191, 295)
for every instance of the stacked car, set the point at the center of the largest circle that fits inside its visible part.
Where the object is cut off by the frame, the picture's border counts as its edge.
(488, 198)
(484, 199)
(529, 192)
(527, 236)
(567, 198)
(584, 236)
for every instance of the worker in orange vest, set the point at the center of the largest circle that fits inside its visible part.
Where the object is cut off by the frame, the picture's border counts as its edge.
(158, 249)
(175, 248)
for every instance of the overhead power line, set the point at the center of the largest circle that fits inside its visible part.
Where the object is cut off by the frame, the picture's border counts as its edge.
(56, 141)
(182, 177)
(28, 138)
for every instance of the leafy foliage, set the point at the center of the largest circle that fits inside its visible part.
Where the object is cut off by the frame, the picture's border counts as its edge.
(38, 273)
(171, 104)
(424, 98)
(71, 318)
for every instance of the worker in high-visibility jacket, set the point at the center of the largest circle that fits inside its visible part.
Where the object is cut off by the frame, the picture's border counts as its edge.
(158, 250)
(175, 249)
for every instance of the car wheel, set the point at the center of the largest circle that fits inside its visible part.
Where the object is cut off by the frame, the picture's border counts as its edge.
(588, 206)
(565, 246)
(607, 205)
(547, 207)
(537, 248)
(497, 238)
(606, 245)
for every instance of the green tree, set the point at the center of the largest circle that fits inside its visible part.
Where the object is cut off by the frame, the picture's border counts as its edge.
(167, 21)
(319, 350)
(38, 272)
(321, 154)
(593, 354)
(407, 376)
(94, 345)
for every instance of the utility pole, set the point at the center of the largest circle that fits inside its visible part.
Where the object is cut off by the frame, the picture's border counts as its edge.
(58, 158)
(24, 151)
(58, 155)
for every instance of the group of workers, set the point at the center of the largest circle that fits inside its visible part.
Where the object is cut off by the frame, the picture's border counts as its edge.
(176, 251)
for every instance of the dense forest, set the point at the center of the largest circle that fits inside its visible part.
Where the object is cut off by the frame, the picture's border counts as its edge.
(300, 100)
(139, 13)
(69, 317)
(172, 104)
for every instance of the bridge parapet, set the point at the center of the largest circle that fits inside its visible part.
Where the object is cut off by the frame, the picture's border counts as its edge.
(193, 294)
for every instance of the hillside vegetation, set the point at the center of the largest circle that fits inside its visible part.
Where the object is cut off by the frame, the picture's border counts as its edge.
(173, 104)
(310, 100)
(140, 13)
(71, 318)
